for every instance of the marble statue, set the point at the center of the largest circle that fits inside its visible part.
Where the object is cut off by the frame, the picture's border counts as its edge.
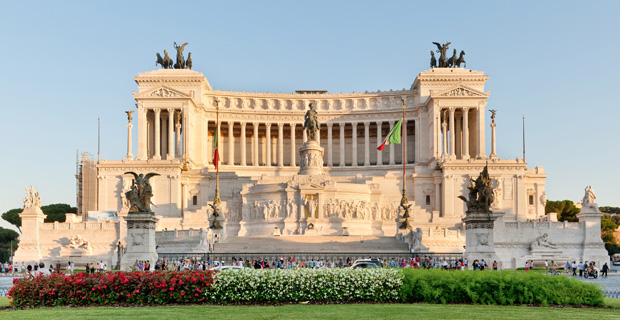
(416, 237)
(141, 192)
(32, 199)
(311, 123)
(588, 198)
(542, 241)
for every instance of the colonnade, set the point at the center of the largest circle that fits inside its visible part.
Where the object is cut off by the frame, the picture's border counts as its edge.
(459, 133)
(159, 142)
(279, 148)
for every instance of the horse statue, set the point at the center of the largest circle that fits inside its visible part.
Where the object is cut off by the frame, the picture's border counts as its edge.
(165, 62)
(433, 60)
(460, 60)
(442, 51)
(452, 60)
(180, 60)
(188, 63)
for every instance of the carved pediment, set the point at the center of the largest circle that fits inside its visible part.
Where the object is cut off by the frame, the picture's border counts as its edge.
(461, 91)
(162, 92)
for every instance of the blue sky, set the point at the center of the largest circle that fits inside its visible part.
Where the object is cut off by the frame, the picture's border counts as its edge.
(64, 64)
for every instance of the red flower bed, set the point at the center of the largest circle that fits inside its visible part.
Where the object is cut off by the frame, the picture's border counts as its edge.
(137, 287)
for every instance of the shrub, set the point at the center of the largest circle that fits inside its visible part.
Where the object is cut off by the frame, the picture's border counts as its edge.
(317, 285)
(112, 288)
(502, 288)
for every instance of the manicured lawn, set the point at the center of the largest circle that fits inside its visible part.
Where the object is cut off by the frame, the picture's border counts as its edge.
(351, 311)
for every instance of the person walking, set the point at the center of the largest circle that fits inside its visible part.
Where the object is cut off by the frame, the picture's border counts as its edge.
(580, 267)
(574, 267)
(604, 270)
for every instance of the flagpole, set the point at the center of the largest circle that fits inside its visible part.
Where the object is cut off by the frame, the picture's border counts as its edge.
(404, 202)
(217, 200)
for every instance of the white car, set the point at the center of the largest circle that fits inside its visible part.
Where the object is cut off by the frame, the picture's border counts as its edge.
(220, 268)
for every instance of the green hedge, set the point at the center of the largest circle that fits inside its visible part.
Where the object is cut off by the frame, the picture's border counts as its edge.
(492, 287)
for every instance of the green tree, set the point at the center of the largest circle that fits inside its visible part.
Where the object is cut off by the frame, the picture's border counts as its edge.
(612, 210)
(8, 241)
(53, 212)
(565, 209)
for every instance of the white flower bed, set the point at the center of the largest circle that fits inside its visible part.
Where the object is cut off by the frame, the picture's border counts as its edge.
(326, 285)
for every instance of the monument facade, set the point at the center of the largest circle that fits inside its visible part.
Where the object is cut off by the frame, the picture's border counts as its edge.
(306, 164)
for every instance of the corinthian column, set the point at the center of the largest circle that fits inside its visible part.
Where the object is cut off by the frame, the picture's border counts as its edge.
(444, 145)
(293, 151)
(268, 143)
(392, 162)
(465, 133)
(341, 163)
(330, 162)
(366, 144)
(280, 144)
(157, 134)
(354, 146)
(231, 143)
(379, 159)
(255, 139)
(243, 144)
(452, 134)
(129, 155)
(171, 134)
(142, 134)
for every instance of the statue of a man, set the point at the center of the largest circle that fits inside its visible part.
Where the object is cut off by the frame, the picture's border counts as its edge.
(311, 123)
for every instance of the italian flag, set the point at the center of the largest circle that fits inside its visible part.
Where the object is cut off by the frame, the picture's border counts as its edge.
(393, 137)
(216, 154)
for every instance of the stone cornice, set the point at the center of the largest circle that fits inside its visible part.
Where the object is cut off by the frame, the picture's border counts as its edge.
(298, 118)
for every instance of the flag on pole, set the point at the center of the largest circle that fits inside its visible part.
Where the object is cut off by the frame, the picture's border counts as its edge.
(393, 137)
(216, 154)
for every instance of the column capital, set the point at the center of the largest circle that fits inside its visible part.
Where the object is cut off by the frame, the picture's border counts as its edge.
(280, 125)
(170, 109)
(379, 123)
(366, 124)
(451, 109)
(354, 124)
(243, 124)
(255, 124)
(465, 109)
(293, 125)
(230, 123)
(268, 125)
(391, 123)
(330, 125)
(156, 110)
(342, 124)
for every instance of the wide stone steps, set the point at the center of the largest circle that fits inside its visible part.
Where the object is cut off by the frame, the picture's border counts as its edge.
(311, 244)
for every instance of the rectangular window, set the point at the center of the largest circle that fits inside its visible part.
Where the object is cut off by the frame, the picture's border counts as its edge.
(428, 200)
(195, 200)
(531, 200)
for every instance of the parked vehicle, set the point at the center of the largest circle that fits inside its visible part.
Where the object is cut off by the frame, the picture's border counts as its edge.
(615, 259)
(367, 263)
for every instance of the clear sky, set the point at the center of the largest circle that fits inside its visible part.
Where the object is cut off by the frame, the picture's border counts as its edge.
(64, 64)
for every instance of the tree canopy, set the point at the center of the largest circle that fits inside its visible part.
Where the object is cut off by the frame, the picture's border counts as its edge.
(565, 209)
(8, 241)
(53, 212)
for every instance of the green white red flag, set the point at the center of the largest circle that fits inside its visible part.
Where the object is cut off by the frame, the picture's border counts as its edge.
(393, 137)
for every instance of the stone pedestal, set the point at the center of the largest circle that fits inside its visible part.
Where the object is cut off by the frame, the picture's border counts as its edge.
(311, 158)
(140, 240)
(29, 249)
(593, 246)
(479, 242)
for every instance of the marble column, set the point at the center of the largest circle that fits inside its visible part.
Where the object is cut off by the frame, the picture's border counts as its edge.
(438, 195)
(458, 133)
(317, 136)
(452, 133)
(444, 144)
(293, 151)
(268, 143)
(379, 140)
(481, 147)
(142, 132)
(354, 145)
(157, 134)
(177, 152)
(280, 145)
(493, 153)
(243, 145)
(255, 140)
(330, 152)
(392, 162)
(366, 144)
(342, 159)
(465, 133)
(170, 155)
(129, 155)
(231, 143)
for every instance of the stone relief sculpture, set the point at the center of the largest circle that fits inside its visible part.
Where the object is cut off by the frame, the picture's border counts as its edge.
(543, 241)
(140, 193)
(588, 198)
(416, 237)
(480, 193)
(32, 198)
(497, 194)
(76, 242)
(311, 123)
(310, 203)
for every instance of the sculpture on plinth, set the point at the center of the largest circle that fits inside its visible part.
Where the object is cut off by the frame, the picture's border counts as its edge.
(443, 62)
(165, 62)
(32, 199)
(311, 123)
(129, 117)
(140, 193)
(588, 198)
(76, 242)
(480, 193)
(542, 241)
(441, 49)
